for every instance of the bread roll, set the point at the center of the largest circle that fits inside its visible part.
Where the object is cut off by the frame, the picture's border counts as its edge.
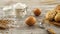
(57, 17)
(50, 15)
(54, 14)
(57, 9)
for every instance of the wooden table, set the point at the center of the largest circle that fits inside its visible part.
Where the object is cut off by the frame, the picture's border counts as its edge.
(24, 29)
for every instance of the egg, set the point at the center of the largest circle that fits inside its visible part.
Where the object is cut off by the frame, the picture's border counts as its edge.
(37, 11)
(30, 21)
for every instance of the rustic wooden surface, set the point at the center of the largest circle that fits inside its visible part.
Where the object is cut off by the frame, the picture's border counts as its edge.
(24, 29)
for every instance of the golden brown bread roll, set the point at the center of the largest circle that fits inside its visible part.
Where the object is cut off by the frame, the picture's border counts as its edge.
(54, 14)
(51, 31)
(50, 15)
(57, 9)
(57, 17)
